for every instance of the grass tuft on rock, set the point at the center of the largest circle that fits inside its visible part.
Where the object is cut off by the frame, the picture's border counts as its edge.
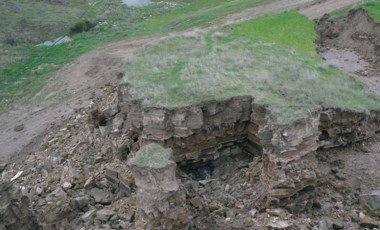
(152, 156)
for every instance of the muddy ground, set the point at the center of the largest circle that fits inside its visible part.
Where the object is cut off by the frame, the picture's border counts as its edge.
(352, 43)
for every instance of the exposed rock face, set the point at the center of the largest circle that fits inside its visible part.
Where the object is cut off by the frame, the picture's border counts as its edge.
(199, 132)
(161, 201)
(15, 213)
(212, 129)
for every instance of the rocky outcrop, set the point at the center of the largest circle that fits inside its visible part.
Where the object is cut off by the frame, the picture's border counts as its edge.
(200, 132)
(161, 203)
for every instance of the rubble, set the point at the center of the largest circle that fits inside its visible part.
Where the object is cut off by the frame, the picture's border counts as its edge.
(217, 165)
(371, 202)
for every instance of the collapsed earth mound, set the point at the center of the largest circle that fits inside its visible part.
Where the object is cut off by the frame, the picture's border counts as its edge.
(357, 31)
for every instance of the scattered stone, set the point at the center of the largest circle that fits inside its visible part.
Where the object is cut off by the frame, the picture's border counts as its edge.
(279, 224)
(19, 128)
(39, 191)
(231, 213)
(120, 176)
(339, 164)
(371, 202)
(253, 212)
(90, 182)
(329, 224)
(55, 212)
(237, 224)
(81, 202)
(214, 205)
(100, 196)
(57, 41)
(2, 167)
(67, 185)
(104, 214)
(367, 222)
(17, 176)
(88, 215)
(279, 212)
(68, 177)
(196, 202)
(15, 212)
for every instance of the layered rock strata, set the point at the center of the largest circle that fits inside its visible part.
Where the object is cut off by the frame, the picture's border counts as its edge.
(208, 130)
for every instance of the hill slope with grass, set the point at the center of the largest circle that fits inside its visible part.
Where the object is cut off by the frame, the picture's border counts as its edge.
(24, 68)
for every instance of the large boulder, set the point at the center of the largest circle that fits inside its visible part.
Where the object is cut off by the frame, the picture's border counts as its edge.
(161, 202)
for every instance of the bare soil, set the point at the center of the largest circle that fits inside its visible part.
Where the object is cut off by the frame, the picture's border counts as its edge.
(352, 43)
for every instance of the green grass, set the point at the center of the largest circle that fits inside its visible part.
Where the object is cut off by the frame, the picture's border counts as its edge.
(24, 68)
(289, 29)
(229, 62)
(373, 8)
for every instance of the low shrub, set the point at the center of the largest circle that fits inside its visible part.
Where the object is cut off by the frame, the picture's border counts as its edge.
(81, 26)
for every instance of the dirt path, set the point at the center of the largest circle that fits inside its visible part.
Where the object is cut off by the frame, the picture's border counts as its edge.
(85, 78)
(325, 7)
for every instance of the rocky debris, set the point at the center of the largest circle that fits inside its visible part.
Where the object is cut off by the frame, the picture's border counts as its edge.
(161, 201)
(105, 214)
(329, 224)
(88, 216)
(275, 223)
(367, 222)
(100, 196)
(15, 210)
(58, 41)
(371, 202)
(295, 186)
(2, 167)
(120, 176)
(19, 128)
(82, 202)
(340, 128)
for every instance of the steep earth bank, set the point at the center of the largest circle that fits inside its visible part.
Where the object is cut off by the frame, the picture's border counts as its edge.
(352, 43)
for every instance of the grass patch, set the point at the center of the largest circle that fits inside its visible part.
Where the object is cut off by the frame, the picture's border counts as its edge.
(19, 79)
(289, 29)
(290, 78)
(373, 9)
